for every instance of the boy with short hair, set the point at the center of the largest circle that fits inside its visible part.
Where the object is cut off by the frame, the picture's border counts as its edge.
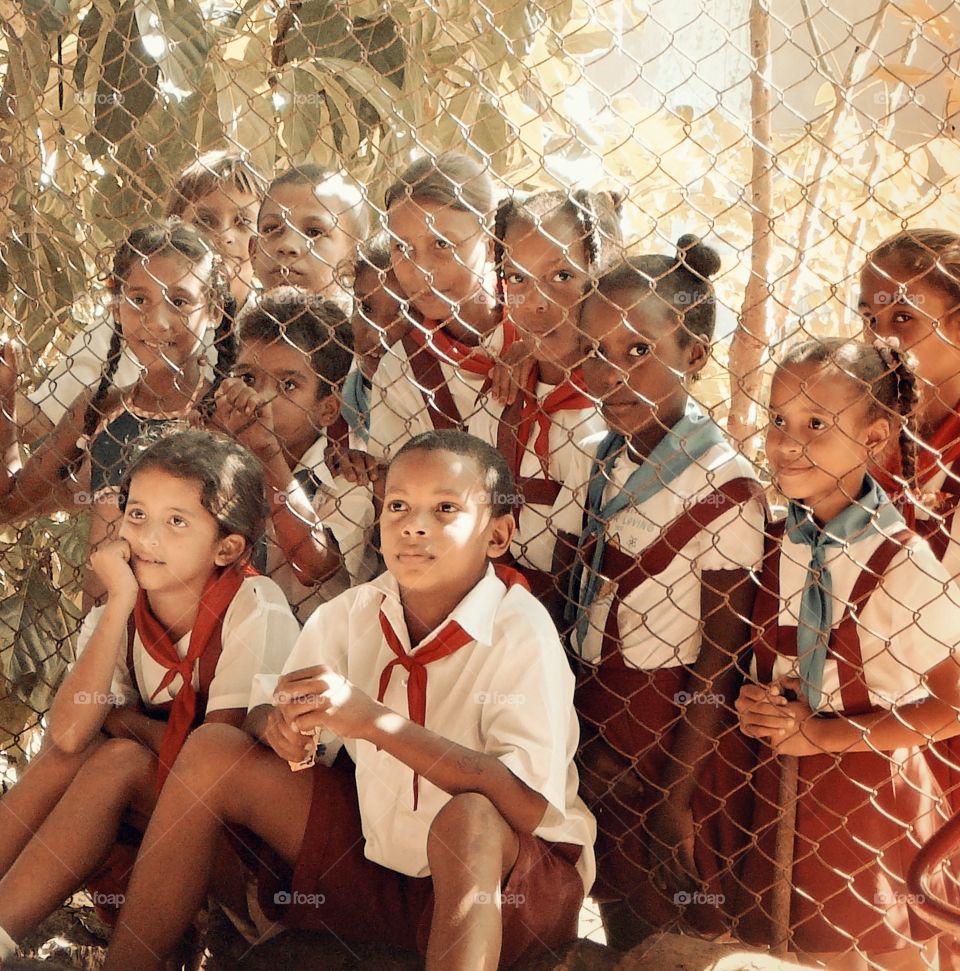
(461, 832)
(294, 351)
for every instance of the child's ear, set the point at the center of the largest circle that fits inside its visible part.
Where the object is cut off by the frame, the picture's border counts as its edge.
(252, 247)
(230, 550)
(502, 529)
(877, 438)
(698, 353)
(327, 410)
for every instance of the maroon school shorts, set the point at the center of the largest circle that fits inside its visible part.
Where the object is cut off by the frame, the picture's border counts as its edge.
(336, 889)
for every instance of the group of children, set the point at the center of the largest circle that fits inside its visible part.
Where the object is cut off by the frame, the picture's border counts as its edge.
(554, 642)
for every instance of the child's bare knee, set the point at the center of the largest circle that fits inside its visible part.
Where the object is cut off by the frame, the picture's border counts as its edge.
(123, 758)
(209, 756)
(468, 825)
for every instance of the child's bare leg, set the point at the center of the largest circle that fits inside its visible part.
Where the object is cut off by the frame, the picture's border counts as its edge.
(471, 848)
(24, 808)
(221, 776)
(78, 834)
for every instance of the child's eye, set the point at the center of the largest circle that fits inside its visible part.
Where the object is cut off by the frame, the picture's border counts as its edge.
(245, 222)
(269, 227)
(562, 276)
(640, 350)
(817, 424)
(178, 302)
(396, 506)
(290, 385)
(138, 300)
(588, 351)
(776, 420)
(443, 244)
(135, 515)
(315, 232)
(448, 507)
(514, 278)
(178, 521)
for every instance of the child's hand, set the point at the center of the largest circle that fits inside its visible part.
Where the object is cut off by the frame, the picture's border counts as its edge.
(761, 710)
(111, 563)
(290, 745)
(354, 465)
(246, 416)
(320, 696)
(796, 736)
(9, 373)
(511, 372)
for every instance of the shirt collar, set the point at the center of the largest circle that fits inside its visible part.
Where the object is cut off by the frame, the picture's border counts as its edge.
(475, 613)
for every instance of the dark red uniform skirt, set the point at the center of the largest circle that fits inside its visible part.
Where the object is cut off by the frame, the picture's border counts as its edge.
(860, 819)
(631, 715)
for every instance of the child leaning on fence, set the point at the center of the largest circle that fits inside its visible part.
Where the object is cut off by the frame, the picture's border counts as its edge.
(185, 628)
(547, 248)
(294, 351)
(665, 530)
(856, 624)
(449, 821)
(220, 195)
(439, 220)
(168, 289)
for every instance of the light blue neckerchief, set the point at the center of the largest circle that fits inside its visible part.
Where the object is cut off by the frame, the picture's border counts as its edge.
(871, 514)
(356, 404)
(688, 440)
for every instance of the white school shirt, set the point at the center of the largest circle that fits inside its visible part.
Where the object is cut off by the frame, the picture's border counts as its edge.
(258, 633)
(536, 535)
(397, 409)
(951, 558)
(909, 625)
(509, 694)
(80, 369)
(660, 620)
(344, 508)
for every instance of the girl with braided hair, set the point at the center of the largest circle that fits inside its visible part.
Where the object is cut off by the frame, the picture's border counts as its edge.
(853, 670)
(546, 249)
(168, 290)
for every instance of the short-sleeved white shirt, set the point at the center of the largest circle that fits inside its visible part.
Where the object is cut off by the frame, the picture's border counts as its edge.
(660, 620)
(344, 508)
(909, 625)
(80, 369)
(536, 534)
(509, 693)
(397, 409)
(258, 633)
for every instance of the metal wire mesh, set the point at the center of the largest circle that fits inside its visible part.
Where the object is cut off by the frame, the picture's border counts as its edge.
(791, 138)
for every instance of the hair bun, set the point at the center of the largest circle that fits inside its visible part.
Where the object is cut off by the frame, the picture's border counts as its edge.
(702, 259)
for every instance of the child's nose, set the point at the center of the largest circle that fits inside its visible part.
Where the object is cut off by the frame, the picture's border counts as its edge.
(291, 242)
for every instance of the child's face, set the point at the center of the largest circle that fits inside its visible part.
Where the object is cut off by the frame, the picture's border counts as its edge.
(229, 216)
(163, 309)
(175, 543)
(897, 302)
(283, 375)
(437, 532)
(441, 255)
(819, 437)
(544, 275)
(378, 321)
(635, 361)
(304, 236)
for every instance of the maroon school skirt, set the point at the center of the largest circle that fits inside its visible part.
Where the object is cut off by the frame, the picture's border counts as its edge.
(860, 819)
(633, 715)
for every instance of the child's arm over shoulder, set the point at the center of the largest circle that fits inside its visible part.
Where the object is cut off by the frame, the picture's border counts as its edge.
(84, 701)
(28, 493)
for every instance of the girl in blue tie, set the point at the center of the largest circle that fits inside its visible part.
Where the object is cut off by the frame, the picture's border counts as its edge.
(853, 662)
(666, 529)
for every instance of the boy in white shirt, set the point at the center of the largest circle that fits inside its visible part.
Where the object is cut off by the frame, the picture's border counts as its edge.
(461, 831)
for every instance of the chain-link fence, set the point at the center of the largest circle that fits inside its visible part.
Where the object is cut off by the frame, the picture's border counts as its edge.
(649, 210)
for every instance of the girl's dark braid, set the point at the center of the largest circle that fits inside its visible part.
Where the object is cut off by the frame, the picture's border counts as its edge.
(94, 409)
(506, 210)
(225, 345)
(908, 399)
(581, 203)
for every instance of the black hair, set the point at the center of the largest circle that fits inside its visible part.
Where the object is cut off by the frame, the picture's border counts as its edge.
(211, 171)
(682, 282)
(231, 480)
(595, 214)
(879, 369)
(316, 326)
(451, 179)
(492, 466)
(930, 253)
